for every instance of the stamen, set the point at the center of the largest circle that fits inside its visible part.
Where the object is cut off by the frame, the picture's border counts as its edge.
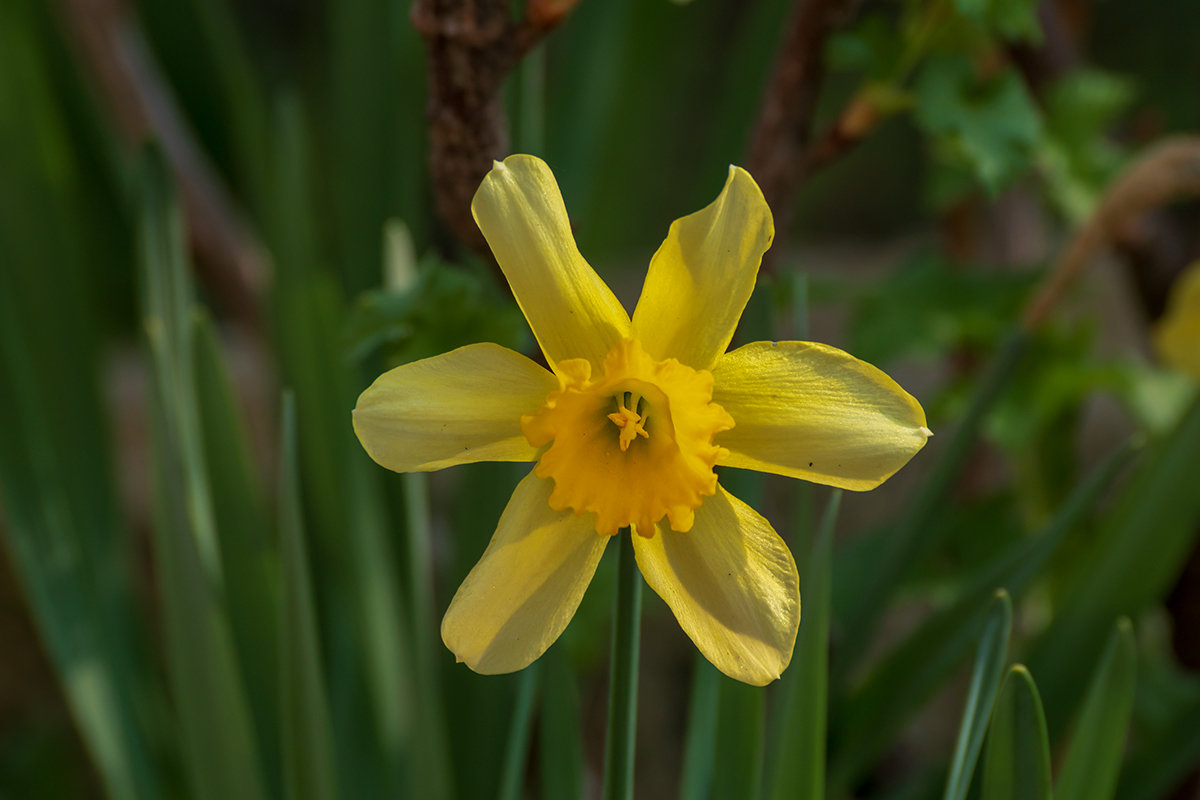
(631, 423)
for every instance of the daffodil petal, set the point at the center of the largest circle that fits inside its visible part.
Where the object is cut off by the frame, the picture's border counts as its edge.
(456, 408)
(572, 312)
(1177, 335)
(732, 584)
(703, 274)
(520, 596)
(814, 412)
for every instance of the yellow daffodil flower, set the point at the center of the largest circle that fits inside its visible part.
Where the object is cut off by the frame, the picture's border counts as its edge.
(627, 426)
(1177, 336)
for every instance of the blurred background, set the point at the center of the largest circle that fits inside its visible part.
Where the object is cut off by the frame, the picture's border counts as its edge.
(220, 221)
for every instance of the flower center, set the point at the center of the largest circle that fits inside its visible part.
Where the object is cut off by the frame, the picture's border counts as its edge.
(630, 422)
(632, 446)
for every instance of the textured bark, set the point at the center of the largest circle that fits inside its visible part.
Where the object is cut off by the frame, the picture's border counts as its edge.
(471, 46)
(778, 155)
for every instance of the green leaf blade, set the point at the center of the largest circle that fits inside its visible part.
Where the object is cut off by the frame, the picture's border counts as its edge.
(308, 760)
(218, 740)
(799, 764)
(1017, 764)
(912, 671)
(985, 681)
(1093, 760)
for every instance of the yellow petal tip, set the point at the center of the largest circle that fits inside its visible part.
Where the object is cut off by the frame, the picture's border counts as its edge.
(928, 433)
(498, 164)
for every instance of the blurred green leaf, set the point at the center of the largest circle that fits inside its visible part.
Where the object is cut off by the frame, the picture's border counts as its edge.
(516, 756)
(1128, 563)
(308, 760)
(1059, 375)
(870, 46)
(1093, 759)
(700, 740)
(913, 670)
(224, 57)
(370, 666)
(424, 696)
(447, 307)
(1014, 20)
(989, 123)
(249, 562)
(373, 164)
(990, 659)
(927, 306)
(1162, 761)
(70, 552)
(799, 756)
(866, 590)
(1079, 156)
(217, 736)
(738, 757)
(1037, 420)
(51, 534)
(560, 734)
(1017, 765)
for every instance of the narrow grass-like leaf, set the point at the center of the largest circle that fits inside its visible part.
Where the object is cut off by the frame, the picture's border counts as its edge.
(990, 659)
(167, 315)
(432, 769)
(419, 528)
(70, 554)
(374, 155)
(249, 562)
(369, 666)
(700, 741)
(912, 534)
(741, 720)
(1093, 759)
(308, 761)
(516, 754)
(240, 93)
(910, 673)
(43, 528)
(219, 749)
(561, 745)
(1017, 764)
(798, 772)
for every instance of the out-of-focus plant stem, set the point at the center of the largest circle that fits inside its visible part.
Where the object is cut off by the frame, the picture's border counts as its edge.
(623, 680)
(1163, 173)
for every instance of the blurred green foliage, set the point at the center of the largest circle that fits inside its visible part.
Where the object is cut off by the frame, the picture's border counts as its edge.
(231, 601)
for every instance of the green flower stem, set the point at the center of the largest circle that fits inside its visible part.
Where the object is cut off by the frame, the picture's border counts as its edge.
(623, 681)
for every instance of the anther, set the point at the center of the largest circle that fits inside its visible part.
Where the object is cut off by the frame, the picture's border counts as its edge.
(632, 424)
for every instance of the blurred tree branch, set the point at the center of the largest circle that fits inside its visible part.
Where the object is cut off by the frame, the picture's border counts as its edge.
(1156, 247)
(231, 263)
(1165, 172)
(782, 152)
(471, 46)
